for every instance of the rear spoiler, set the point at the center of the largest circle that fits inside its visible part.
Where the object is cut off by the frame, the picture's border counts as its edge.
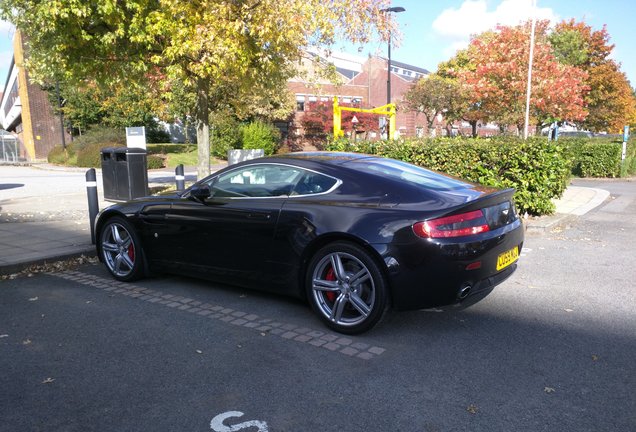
(488, 200)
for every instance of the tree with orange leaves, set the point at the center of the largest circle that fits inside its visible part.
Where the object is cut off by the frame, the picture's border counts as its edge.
(610, 101)
(499, 78)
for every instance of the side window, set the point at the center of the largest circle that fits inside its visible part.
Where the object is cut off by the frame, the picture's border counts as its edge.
(313, 183)
(256, 181)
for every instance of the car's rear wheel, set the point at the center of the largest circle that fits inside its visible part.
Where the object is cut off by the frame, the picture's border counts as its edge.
(346, 288)
(121, 250)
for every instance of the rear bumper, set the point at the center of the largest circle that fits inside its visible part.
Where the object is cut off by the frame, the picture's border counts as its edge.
(444, 272)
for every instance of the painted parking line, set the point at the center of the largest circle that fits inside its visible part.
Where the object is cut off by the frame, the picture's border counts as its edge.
(329, 341)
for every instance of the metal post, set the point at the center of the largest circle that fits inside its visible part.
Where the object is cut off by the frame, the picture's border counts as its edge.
(625, 139)
(388, 88)
(396, 9)
(179, 177)
(59, 107)
(93, 204)
(529, 83)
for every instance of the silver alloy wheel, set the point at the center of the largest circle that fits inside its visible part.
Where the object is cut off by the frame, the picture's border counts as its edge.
(343, 288)
(118, 249)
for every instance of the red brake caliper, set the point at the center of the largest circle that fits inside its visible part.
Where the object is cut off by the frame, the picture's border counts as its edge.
(131, 252)
(330, 276)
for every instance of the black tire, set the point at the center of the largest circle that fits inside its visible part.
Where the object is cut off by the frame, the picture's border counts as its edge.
(346, 288)
(121, 250)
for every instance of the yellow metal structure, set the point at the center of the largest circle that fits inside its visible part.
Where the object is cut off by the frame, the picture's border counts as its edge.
(387, 110)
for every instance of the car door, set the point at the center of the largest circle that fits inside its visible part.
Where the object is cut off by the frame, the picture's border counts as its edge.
(228, 235)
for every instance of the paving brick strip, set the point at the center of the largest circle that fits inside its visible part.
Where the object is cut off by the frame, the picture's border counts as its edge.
(331, 342)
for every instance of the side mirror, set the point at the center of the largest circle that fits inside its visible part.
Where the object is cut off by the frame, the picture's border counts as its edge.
(200, 193)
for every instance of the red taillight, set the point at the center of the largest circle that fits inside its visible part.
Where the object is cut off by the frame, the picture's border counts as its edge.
(464, 224)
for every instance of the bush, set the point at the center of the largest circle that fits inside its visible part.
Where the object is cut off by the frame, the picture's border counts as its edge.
(539, 170)
(155, 162)
(260, 135)
(61, 156)
(594, 157)
(90, 155)
(224, 135)
(101, 135)
(156, 134)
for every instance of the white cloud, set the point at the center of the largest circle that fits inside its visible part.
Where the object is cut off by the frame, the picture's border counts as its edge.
(455, 26)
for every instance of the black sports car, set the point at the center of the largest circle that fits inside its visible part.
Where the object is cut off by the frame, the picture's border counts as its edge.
(351, 233)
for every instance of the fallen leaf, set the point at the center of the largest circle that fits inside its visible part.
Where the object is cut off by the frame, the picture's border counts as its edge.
(549, 390)
(472, 409)
(26, 342)
(48, 381)
(594, 357)
(199, 352)
(33, 299)
(263, 334)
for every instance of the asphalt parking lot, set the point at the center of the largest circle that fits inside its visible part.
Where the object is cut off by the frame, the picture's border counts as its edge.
(550, 350)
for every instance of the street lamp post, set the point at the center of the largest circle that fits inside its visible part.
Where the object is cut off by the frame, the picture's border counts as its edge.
(395, 9)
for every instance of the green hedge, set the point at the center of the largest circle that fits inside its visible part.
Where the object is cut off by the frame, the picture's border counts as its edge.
(628, 167)
(539, 170)
(90, 156)
(594, 157)
(165, 148)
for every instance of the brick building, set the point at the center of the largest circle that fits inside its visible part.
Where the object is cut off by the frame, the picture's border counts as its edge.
(25, 110)
(363, 83)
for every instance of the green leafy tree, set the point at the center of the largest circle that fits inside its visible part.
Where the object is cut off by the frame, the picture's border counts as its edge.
(432, 96)
(222, 50)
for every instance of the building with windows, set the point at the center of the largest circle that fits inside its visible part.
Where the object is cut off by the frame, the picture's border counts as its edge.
(25, 111)
(361, 82)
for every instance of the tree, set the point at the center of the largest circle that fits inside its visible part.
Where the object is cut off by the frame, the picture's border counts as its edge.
(499, 79)
(432, 96)
(610, 101)
(467, 106)
(222, 50)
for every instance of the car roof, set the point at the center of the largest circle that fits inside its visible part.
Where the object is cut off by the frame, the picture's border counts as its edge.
(325, 158)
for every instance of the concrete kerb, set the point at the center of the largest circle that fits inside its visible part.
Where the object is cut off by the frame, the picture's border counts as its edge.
(576, 201)
(17, 267)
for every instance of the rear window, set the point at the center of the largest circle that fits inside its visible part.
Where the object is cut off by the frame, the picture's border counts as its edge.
(409, 173)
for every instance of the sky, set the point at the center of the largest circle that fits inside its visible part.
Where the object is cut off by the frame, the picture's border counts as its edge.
(433, 30)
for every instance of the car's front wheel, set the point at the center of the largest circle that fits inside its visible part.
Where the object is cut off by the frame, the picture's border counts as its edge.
(346, 288)
(121, 250)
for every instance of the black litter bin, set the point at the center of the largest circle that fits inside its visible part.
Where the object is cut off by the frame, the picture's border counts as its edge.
(124, 173)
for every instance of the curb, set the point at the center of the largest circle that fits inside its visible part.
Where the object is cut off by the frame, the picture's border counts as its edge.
(23, 265)
(549, 223)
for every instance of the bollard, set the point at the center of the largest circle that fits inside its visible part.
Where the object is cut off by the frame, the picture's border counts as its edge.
(179, 177)
(93, 204)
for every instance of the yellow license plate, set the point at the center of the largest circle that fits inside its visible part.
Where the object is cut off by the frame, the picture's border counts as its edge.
(507, 258)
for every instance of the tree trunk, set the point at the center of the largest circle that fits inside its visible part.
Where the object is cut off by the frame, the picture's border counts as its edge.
(473, 125)
(203, 128)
